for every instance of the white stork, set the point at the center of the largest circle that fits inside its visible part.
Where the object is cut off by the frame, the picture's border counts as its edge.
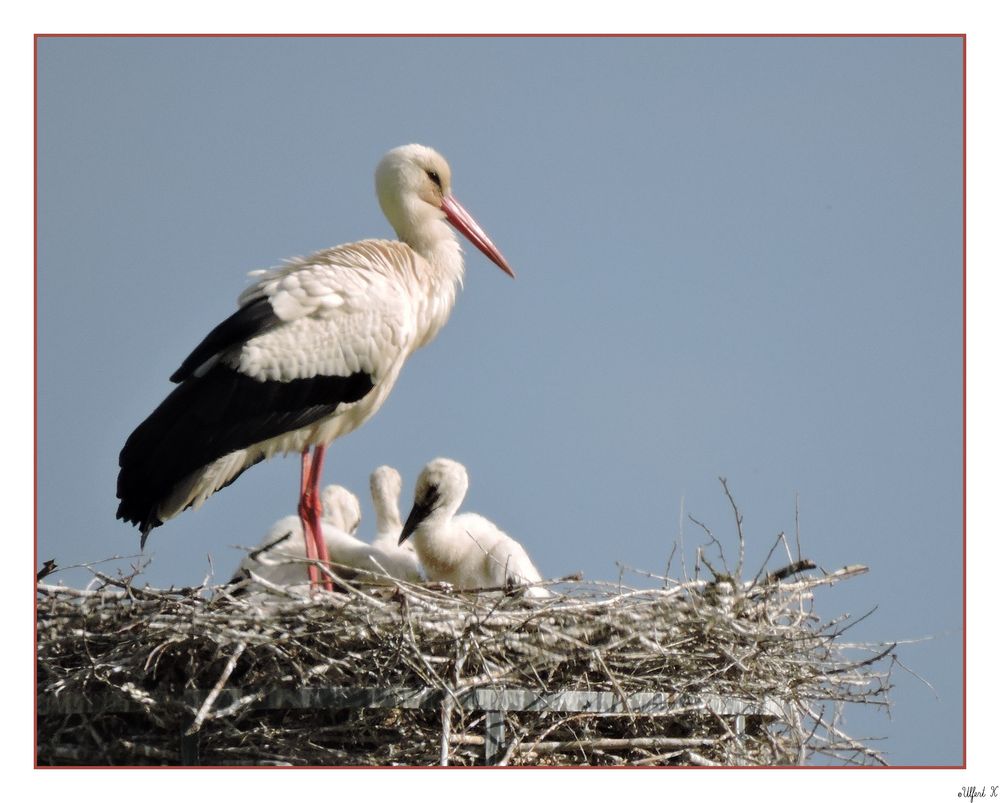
(341, 508)
(310, 355)
(465, 550)
(280, 556)
(385, 485)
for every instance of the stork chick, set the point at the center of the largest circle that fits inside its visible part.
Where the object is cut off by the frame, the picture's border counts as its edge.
(385, 485)
(281, 556)
(464, 549)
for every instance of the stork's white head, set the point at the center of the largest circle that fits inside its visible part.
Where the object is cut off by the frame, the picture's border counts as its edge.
(413, 184)
(341, 508)
(441, 486)
(386, 485)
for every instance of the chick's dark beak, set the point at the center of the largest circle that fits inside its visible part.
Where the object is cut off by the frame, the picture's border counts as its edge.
(422, 508)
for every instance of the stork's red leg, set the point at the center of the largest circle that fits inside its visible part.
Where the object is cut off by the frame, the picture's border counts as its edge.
(305, 518)
(315, 472)
(310, 513)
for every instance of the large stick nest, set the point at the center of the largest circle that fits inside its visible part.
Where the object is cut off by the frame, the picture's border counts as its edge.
(718, 671)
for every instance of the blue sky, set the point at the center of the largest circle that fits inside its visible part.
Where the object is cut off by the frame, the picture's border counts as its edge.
(735, 257)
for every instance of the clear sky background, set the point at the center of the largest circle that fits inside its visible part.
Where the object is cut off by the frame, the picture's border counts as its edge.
(735, 257)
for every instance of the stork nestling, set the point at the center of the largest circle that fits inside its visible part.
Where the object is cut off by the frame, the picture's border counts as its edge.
(310, 355)
(463, 549)
(385, 485)
(278, 558)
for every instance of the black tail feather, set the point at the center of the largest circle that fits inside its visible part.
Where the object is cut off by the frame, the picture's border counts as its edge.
(208, 417)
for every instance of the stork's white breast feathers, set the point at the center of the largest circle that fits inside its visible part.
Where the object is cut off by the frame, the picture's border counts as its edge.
(345, 310)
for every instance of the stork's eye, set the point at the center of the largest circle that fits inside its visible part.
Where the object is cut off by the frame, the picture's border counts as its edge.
(434, 177)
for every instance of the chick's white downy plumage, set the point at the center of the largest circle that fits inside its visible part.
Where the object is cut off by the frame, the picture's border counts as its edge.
(400, 561)
(280, 557)
(464, 549)
(386, 485)
(341, 509)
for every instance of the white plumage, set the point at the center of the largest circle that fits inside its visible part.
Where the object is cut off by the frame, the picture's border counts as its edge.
(386, 485)
(341, 509)
(280, 556)
(311, 354)
(463, 549)
(401, 560)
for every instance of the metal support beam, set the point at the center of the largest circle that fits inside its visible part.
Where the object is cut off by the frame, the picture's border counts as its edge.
(190, 749)
(495, 736)
(479, 699)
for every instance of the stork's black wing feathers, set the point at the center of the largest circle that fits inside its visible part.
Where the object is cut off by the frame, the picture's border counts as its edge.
(209, 416)
(248, 321)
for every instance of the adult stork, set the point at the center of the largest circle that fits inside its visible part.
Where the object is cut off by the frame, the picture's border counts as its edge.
(310, 354)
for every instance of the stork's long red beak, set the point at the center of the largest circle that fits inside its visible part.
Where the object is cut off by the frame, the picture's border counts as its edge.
(466, 224)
